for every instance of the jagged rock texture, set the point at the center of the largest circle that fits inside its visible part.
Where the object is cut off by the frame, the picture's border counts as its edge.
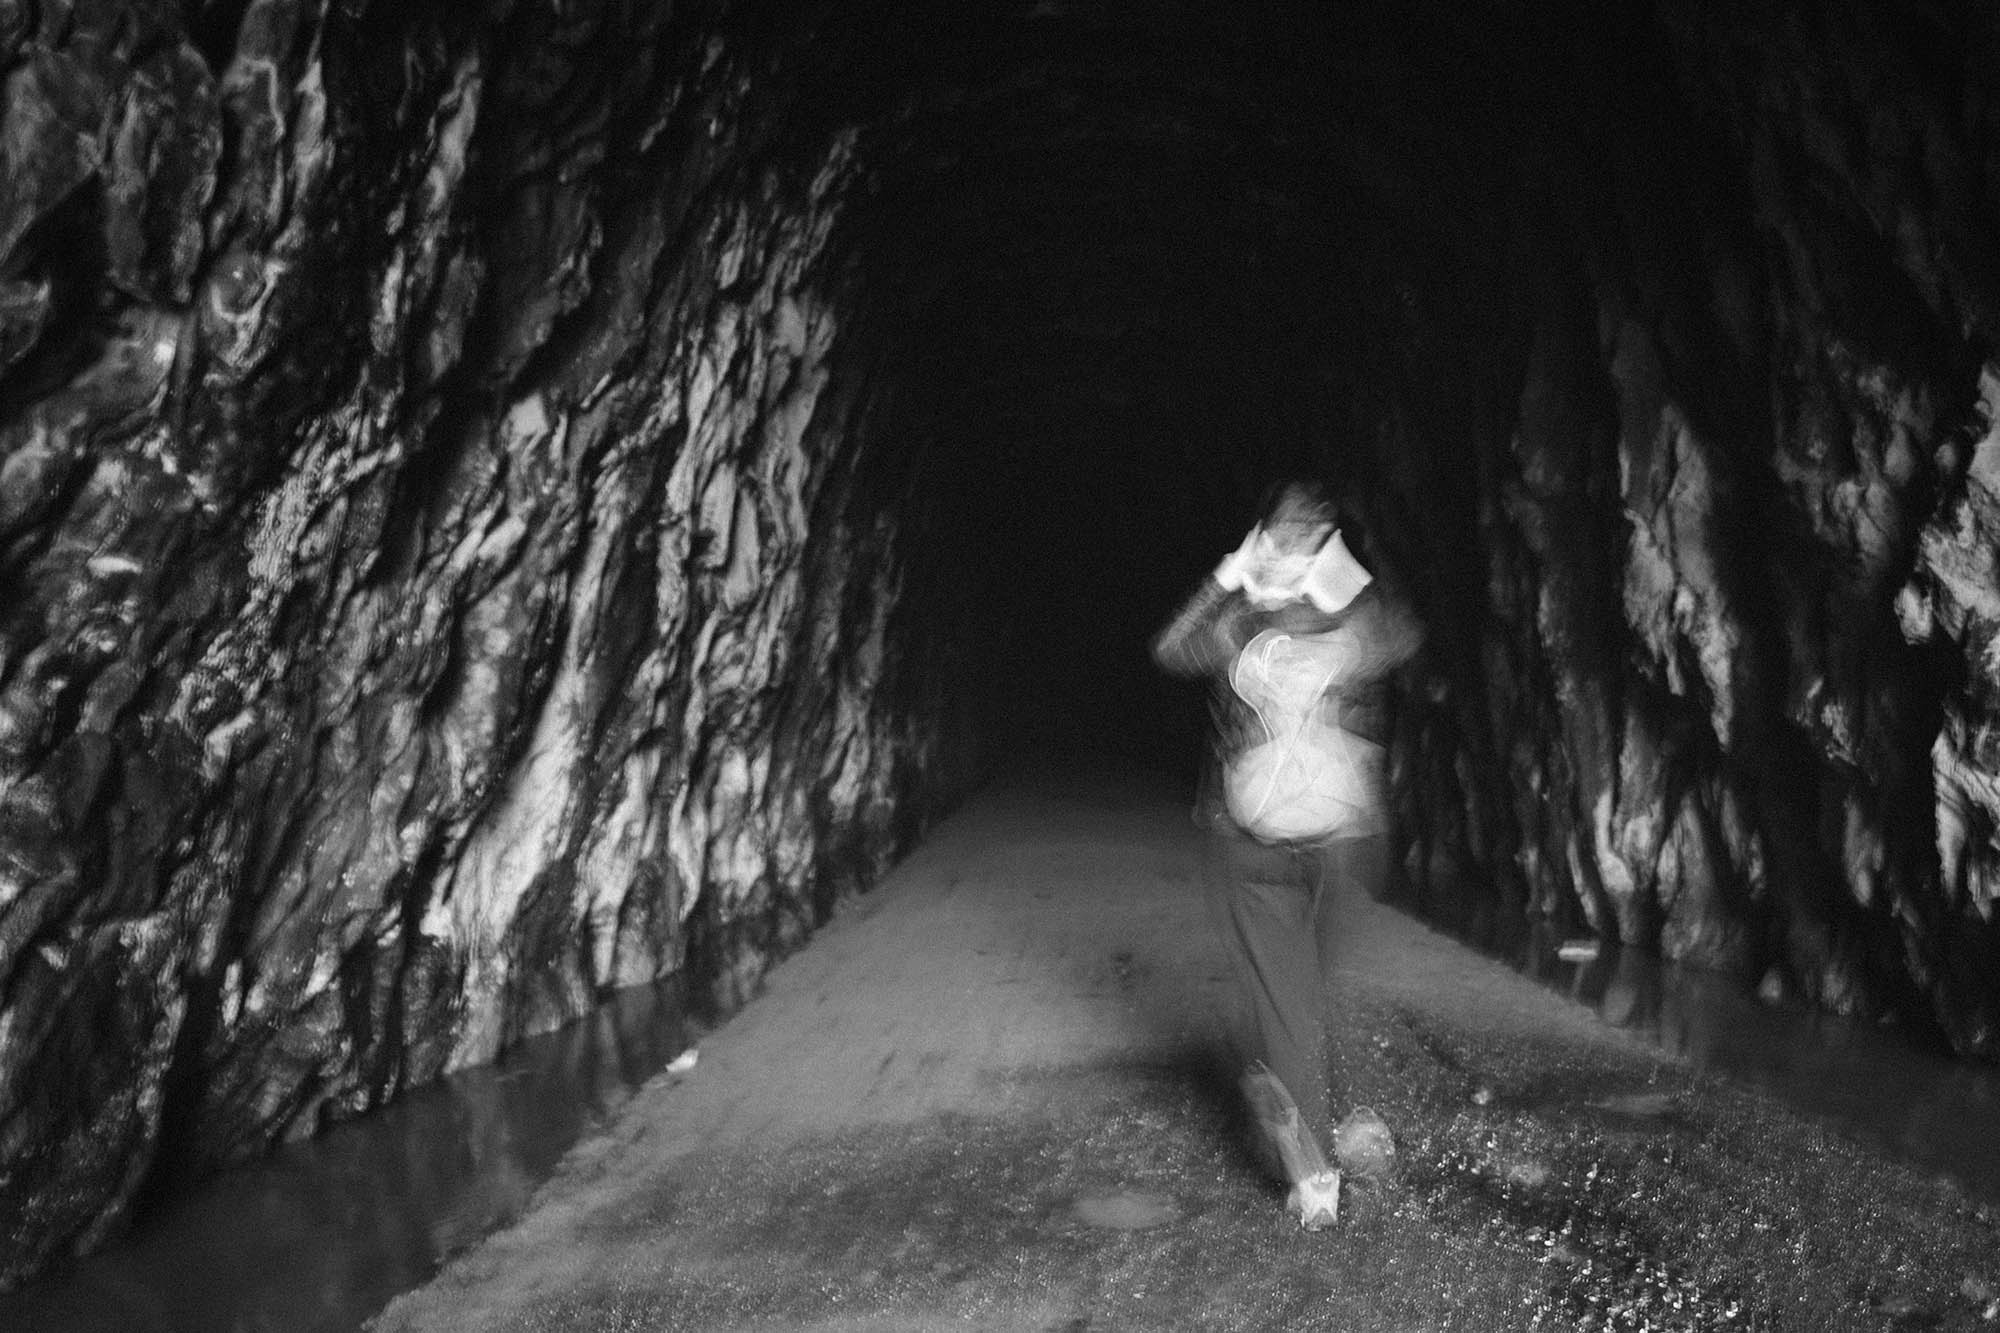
(436, 590)
(1733, 681)
(479, 522)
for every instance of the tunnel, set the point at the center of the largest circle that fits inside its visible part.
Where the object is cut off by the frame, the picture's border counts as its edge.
(504, 502)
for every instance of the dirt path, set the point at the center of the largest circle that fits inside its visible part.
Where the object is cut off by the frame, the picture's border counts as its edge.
(992, 1095)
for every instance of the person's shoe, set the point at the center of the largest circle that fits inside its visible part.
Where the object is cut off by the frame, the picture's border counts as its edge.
(1363, 1145)
(1316, 1200)
(1282, 1126)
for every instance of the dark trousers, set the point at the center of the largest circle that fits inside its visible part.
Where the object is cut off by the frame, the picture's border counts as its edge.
(1276, 908)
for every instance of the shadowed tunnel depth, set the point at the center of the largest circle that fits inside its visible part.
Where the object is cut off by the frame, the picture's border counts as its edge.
(506, 502)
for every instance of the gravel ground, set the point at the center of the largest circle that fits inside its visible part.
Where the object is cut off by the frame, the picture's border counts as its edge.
(994, 1095)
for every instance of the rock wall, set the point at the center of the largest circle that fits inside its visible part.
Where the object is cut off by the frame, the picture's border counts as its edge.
(476, 525)
(1733, 690)
(436, 586)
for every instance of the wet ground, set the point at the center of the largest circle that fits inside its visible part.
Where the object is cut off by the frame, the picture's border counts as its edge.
(993, 1095)
(321, 1234)
(1866, 1080)
(1000, 1102)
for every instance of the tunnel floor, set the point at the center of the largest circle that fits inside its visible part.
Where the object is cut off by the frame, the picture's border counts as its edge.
(993, 1094)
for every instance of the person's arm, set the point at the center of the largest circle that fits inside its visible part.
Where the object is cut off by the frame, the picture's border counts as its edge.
(1387, 634)
(1200, 640)
(1400, 632)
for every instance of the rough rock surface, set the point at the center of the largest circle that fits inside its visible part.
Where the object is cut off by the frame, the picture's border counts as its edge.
(476, 531)
(1733, 686)
(435, 587)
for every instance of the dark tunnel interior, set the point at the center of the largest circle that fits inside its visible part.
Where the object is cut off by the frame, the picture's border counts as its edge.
(1128, 267)
(504, 503)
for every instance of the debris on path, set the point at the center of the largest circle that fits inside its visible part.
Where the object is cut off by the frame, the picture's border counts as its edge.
(993, 1095)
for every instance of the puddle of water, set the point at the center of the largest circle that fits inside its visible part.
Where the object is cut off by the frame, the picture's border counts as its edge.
(1926, 1109)
(320, 1235)
(1126, 1211)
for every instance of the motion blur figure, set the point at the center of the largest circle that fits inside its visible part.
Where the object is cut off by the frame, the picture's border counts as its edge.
(1298, 638)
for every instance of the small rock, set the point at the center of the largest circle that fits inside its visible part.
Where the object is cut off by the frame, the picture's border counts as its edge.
(1898, 1304)
(1577, 951)
(1482, 1096)
(683, 1062)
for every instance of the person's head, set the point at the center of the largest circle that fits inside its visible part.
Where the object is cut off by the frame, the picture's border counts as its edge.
(1298, 518)
(1294, 525)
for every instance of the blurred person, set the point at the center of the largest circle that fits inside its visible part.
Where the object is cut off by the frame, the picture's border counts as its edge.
(1298, 639)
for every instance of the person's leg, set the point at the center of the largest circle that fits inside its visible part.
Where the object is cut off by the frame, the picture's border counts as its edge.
(1262, 902)
(1262, 898)
(1353, 868)
(1350, 869)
